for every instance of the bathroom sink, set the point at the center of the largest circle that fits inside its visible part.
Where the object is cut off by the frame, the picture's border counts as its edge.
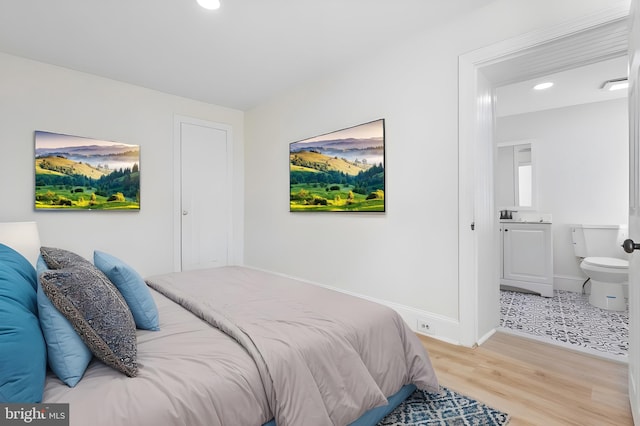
(541, 220)
(528, 217)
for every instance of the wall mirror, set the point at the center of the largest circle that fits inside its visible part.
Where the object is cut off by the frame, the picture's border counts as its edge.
(515, 175)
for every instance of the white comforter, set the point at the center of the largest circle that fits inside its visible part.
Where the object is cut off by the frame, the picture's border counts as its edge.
(308, 356)
(324, 357)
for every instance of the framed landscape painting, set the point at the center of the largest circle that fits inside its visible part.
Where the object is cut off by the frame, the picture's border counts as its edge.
(339, 171)
(77, 173)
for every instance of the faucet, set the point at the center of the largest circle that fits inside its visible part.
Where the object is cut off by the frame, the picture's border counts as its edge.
(507, 214)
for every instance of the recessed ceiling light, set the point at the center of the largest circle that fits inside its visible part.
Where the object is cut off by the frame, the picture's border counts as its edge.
(617, 84)
(209, 4)
(543, 86)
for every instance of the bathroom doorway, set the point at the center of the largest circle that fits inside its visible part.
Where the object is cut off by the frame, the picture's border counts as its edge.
(584, 41)
(578, 129)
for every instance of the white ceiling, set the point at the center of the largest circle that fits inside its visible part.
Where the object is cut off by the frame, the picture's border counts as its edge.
(237, 56)
(571, 87)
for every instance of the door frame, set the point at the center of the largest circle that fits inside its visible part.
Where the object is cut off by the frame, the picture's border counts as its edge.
(178, 120)
(634, 211)
(476, 314)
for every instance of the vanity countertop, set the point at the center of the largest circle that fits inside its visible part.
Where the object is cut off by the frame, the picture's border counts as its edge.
(523, 221)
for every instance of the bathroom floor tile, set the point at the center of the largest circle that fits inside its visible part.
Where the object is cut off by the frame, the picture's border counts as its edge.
(566, 318)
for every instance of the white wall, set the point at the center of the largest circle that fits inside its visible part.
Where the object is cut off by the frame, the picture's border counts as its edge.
(582, 158)
(35, 96)
(408, 255)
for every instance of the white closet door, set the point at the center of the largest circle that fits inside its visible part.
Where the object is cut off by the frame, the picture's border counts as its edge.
(205, 196)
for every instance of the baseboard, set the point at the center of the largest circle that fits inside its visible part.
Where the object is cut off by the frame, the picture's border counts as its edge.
(566, 283)
(439, 327)
(486, 337)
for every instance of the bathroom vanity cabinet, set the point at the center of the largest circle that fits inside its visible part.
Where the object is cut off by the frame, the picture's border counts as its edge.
(527, 256)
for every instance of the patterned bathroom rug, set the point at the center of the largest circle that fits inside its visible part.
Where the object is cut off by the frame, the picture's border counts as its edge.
(447, 408)
(567, 319)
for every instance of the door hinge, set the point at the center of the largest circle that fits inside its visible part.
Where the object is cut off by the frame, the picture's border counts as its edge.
(473, 226)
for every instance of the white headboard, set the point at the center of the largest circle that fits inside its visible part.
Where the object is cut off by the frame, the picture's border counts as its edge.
(23, 237)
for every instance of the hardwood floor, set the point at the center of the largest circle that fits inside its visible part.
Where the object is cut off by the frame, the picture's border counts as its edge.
(536, 383)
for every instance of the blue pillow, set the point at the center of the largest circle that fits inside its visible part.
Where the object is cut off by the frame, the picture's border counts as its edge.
(133, 289)
(67, 354)
(19, 263)
(23, 358)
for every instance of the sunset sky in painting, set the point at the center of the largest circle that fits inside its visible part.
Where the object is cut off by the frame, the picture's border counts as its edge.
(56, 140)
(363, 131)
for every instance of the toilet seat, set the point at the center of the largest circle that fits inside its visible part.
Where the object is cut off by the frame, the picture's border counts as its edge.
(606, 262)
(606, 269)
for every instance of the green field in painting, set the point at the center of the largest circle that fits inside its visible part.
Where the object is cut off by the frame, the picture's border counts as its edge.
(80, 198)
(315, 197)
(64, 184)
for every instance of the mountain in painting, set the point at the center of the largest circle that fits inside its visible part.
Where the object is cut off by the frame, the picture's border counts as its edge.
(88, 150)
(349, 144)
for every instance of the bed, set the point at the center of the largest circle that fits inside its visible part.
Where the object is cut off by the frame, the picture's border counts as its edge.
(239, 346)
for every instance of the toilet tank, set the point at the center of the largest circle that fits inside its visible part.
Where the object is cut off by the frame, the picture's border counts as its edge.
(599, 240)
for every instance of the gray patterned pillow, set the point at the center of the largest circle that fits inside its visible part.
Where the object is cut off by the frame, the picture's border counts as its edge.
(97, 311)
(57, 258)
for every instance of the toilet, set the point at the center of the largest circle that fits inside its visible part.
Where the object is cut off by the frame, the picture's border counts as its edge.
(604, 262)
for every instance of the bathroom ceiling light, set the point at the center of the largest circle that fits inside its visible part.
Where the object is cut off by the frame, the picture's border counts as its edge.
(543, 86)
(617, 84)
(209, 4)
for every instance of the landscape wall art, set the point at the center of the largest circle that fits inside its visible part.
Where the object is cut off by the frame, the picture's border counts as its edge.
(339, 171)
(77, 173)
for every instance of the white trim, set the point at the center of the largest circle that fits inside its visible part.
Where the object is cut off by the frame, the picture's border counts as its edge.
(634, 214)
(499, 51)
(470, 70)
(516, 142)
(178, 120)
(467, 250)
(486, 337)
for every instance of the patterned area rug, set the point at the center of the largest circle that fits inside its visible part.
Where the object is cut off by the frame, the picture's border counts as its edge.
(567, 318)
(446, 408)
